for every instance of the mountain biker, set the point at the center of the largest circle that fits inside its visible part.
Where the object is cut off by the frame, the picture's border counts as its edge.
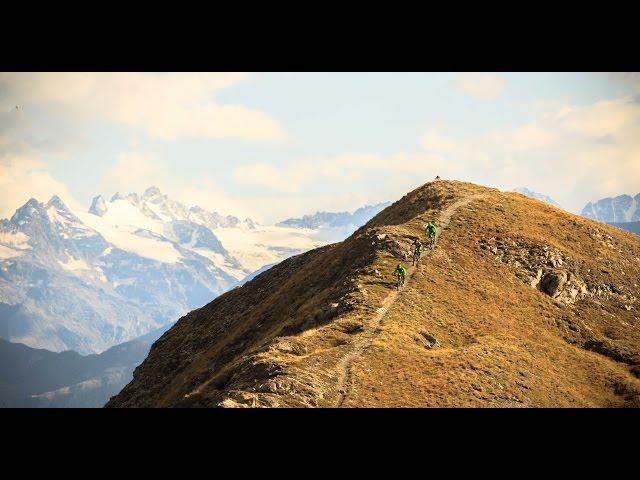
(400, 272)
(431, 230)
(417, 248)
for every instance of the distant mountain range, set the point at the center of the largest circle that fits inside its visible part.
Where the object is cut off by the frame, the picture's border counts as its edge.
(336, 219)
(32, 377)
(92, 281)
(539, 196)
(89, 280)
(78, 281)
(620, 209)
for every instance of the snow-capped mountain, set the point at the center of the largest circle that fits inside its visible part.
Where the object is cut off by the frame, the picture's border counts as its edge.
(65, 284)
(157, 206)
(248, 245)
(89, 280)
(623, 208)
(539, 196)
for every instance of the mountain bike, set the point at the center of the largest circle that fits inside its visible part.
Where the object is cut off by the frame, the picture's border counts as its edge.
(416, 258)
(400, 281)
(432, 240)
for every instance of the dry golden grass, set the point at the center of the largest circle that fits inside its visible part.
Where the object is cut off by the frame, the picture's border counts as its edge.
(309, 332)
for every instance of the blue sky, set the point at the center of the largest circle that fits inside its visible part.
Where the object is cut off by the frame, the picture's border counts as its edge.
(273, 145)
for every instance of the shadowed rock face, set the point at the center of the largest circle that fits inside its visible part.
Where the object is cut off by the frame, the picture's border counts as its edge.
(518, 304)
(553, 281)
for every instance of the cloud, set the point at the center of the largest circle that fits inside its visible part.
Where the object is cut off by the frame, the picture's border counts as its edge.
(573, 153)
(436, 142)
(167, 106)
(339, 182)
(296, 176)
(265, 175)
(601, 119)
(208, 195)
(631, 79)
(521, 138)
(22, 178)
(484, 86)
(134, 172)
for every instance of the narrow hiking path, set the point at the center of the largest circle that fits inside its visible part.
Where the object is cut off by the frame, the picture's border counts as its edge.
(374, 327)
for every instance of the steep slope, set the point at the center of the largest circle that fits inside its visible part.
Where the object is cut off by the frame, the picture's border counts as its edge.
(519, 304)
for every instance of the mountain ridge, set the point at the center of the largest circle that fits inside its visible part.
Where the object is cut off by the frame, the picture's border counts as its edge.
(505, 311)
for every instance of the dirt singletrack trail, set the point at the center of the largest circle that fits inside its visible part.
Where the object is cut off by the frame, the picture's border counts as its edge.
(374, 326)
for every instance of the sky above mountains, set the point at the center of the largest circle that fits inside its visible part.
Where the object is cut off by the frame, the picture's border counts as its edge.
(275, 145)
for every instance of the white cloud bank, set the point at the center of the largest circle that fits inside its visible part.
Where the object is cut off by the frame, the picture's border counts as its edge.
(54, 111)
(340, 182)
(573, 153)
(167, 106)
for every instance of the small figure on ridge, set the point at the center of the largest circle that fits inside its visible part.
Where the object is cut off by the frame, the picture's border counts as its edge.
(431, 231)
(400, 272)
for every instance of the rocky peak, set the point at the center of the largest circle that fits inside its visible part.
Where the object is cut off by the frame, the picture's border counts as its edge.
(57, 203)
(131, 197)
(151, 192)
(98, 206)
(26, 212)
